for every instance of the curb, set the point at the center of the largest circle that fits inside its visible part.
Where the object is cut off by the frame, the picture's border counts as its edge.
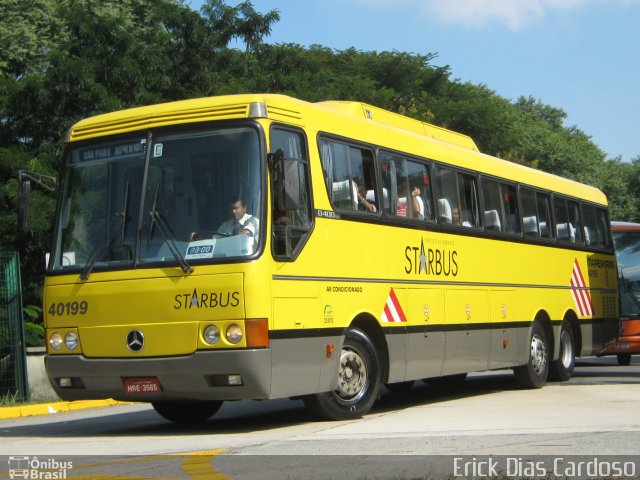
(54, 407)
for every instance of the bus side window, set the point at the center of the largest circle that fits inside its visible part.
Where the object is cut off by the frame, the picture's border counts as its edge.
(543, 204)
(596, 226)
(510, 201)
(574, 221)
(494, 219)
(529, 213)
(459, 191)
(567, 220)
(501, 198)
(406, 181)
(590, 225)
(349, 175)
(602, 228)
(419, 189)
(447, 194)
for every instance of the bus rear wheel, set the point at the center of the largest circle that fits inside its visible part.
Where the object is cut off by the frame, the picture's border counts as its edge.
(535, 372)
(359, 378)
(562, 368)
(185, 411)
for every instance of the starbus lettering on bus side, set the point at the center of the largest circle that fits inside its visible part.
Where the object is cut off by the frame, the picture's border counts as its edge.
(431, 261)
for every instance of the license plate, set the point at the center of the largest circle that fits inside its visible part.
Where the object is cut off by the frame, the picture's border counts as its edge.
(623, 346)
(134, 386)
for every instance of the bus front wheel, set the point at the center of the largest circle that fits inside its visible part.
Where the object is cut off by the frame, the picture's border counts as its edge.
(359, 377)
(187, 412)
(534, 373)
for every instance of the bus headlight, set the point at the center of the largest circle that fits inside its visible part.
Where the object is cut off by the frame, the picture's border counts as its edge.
(55, 341)
(234, 333)
(211, 334)
(71, 340)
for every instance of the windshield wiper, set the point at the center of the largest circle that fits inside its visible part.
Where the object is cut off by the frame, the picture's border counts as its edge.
(99, 253)
(119, 231)
(166, 232)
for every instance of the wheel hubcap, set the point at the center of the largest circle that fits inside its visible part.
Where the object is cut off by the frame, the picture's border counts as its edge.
(538, 354)
(352, 376)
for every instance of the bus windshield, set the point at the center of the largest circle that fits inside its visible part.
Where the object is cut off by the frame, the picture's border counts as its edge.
(167, 198)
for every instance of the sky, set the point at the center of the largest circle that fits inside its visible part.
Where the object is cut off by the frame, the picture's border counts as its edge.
(582, 56)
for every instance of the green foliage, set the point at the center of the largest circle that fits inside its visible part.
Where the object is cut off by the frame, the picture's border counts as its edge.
(62, 60)
(33, 329)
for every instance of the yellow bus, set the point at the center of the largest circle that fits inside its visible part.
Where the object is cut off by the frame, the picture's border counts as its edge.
(259, 247)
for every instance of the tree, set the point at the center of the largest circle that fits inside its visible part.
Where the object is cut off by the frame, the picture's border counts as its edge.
(63, 60)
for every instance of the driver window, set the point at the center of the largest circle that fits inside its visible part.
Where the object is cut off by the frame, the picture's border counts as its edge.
(291, 228)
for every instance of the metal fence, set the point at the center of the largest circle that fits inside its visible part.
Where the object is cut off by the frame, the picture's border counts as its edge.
(13, 369)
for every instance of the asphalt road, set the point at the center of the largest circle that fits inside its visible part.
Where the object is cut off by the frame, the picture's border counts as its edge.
(418, 434)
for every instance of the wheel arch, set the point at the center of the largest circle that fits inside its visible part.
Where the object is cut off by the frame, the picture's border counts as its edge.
(370, 326)
(545, 320)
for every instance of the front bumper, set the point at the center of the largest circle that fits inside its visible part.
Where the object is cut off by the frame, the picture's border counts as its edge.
(195, 377)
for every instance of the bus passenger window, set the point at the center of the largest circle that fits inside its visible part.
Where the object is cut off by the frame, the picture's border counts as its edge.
(529, 213)
(602, 229)
(567, 220)
(543, 203)
(406, 182)
(574, 221)
(457, 190)
(349, 176)
(501, 198)
(590, 225)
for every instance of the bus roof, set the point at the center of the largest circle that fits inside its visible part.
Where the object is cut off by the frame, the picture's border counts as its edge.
(356, 120)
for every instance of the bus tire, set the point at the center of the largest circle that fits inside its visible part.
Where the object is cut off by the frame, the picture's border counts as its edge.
(535, 372)
(187, 411)
(624, 359)
(562, 368)
(359, 378)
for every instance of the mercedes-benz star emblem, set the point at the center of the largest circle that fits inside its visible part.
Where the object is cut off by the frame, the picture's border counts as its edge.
(135, 340)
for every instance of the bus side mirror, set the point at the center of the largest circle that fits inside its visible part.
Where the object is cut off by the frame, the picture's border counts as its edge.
(25, 178)
(24, 193)
(286, 181)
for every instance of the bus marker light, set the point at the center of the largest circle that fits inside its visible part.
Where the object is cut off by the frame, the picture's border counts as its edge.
(234, 379)
(330, 348)
(257, 330)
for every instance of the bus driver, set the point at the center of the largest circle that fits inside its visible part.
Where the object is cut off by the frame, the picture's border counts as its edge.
(240, 221)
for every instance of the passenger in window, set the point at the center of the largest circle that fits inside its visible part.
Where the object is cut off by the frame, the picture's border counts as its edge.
(363, 203)
(457, 220)
(417, 203)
